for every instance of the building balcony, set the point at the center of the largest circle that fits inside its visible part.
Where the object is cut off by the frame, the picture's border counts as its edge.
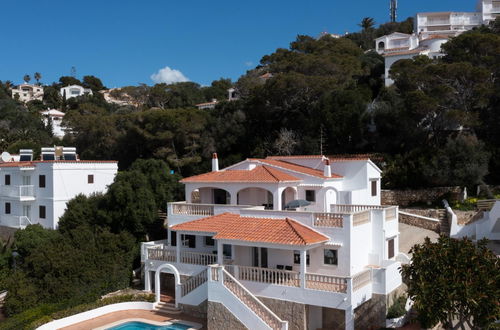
(23, 193)
(15, 221)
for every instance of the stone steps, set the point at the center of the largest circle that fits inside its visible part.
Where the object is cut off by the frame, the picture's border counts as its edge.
(444, 223)
(167, 308)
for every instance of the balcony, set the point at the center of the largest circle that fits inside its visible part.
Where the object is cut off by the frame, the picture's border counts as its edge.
(23, 193)
(15, 221)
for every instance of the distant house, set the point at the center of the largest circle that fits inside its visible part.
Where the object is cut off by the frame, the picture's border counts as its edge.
(27, 92)
(431, 31)
(56, 118)
(207, 105)
(74, 91)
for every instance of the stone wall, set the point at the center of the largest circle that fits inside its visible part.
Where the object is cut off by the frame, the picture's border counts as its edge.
(419, 222)
(294, 313)
(333, 319)
(371, 314)
(407, 197)
(199, 311)
(220, 318)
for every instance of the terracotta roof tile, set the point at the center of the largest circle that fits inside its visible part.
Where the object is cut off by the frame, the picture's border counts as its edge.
(264, 230)
(258, 174)
(297, 168)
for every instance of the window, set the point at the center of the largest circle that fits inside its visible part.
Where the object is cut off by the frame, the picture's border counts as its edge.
(296, 257)
(310, 195)
(7, 208)
(90, 179)
(41, 181)
(374, 187)
(173, 238)
(7, 179)
(188, 241)
(209, 241)
(330, 257)
(41, 212)
(390, 248)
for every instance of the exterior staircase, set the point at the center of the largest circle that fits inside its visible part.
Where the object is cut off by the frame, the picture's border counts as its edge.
(167, 308)
(444, 223)
(243, 304)
(162, 215)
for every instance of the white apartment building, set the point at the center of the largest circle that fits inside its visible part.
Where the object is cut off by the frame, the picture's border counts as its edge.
(36, 191)
(55, 117)
(431, 30)
(74, 91)
(27, 92)
(293, 242)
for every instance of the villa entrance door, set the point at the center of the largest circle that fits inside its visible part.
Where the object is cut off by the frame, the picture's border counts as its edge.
(259, 257)
(167, 287)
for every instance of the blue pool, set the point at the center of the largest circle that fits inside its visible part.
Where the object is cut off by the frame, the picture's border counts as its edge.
(135, 325)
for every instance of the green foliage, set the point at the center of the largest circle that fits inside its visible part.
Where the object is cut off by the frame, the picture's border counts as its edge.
(397, 309)
(68, 80)
(94, 83)
(44, 313)
(454, 280)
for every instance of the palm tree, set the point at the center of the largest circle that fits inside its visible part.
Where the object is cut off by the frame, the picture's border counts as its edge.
(37, 77)
(27, 78)
(367, 23)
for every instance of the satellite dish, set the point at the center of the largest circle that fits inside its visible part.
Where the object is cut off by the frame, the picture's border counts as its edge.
(5, 157)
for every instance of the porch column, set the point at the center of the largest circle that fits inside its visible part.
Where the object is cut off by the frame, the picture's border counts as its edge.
(220, 254)
(147, 279)
(349, 319)
(178, 247)
(303, 256)
(277, 199)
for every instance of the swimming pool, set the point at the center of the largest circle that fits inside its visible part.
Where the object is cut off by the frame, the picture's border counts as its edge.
(137, 325)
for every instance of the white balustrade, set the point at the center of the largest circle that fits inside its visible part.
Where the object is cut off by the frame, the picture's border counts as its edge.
(361, 279)
(162, 254)
(197, 258)
(351, 208)
(192, 209)
(326, 283)
(361, 218)
(267, 275)
(194, 282)
(328, 220)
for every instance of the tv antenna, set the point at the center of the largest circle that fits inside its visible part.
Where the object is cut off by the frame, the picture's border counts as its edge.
(393, 10)
(73, 72)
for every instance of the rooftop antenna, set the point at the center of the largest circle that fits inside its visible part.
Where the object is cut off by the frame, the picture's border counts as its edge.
(73, 72)
(393, 10)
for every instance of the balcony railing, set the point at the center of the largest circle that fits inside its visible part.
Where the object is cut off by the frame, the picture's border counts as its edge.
(267, 275)
(329, 220)
(326, 283)
(361, 218)
(192, 209)
(186, 257)
(361, 279)
(25, 191)
(350, 208)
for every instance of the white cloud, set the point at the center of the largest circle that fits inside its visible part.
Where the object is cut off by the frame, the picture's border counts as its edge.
(248, 63)
(168, 75)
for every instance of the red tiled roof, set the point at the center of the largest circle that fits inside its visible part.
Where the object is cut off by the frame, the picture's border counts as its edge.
(265, 230)
(34, 162)
(258, 174)
(297, 168)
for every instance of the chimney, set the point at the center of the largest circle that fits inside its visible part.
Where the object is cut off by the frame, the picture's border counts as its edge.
(215, 163)
(327, 171)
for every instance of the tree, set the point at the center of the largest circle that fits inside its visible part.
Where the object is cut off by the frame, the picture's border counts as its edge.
(94, 83)
(367, 23)
(26, 78)
(37, 77)
(68, 80)
(454, 281)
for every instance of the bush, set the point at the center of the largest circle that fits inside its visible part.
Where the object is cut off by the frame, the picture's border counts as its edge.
(37, 316)
(398, 308)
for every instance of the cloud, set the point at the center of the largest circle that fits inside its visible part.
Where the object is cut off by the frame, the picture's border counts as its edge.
(248, 63)
(168, 75)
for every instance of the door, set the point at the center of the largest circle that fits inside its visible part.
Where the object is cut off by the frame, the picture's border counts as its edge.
(27, 211)
(26, 180)
(259, 257)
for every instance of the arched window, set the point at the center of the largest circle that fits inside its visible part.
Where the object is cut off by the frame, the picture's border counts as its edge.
(381, 45)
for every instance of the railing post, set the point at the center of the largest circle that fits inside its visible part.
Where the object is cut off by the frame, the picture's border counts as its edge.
(220, 255)
(236, 269)
(303, 256)
(178, 247)
(220, 273)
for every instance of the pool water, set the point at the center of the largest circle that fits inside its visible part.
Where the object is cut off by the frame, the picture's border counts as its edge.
(135, 325)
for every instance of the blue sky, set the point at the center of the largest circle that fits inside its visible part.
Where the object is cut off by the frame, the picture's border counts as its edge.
(124, 42)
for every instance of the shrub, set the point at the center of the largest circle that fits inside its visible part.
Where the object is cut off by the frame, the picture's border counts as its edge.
(398, 308)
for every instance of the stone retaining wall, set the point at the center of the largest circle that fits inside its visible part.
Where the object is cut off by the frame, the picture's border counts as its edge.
(419, 222)
(199, 311)
(408, 197)
(292, 312)
(371, 314)
(220, 318)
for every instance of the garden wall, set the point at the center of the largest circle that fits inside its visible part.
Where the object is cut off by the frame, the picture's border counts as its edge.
(412, 196)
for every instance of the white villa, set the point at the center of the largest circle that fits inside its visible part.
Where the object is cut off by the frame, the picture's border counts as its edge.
(74, 91)
(240, 249)
(431, 30)
(27, 92)
(36, 191)
(55, 117)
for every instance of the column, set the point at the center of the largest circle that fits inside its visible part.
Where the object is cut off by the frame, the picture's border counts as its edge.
(178, 247)
(277, 199)
(147, 279)
(220, 253)
(349, 319)
(303, 256)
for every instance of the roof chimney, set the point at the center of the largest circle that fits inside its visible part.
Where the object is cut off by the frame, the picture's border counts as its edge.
(327, 171)
(215, 163)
